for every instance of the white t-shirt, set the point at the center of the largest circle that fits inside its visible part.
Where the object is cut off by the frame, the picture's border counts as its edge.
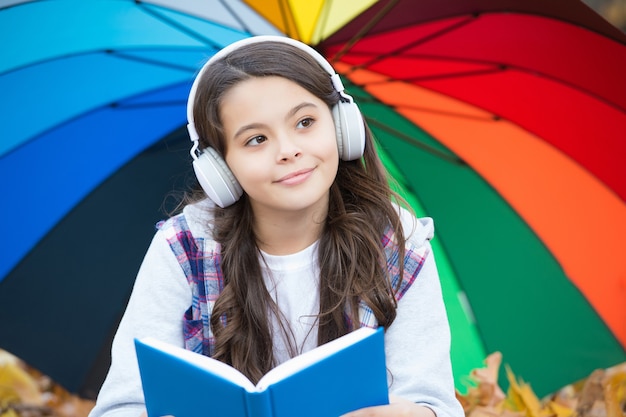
(293, 283)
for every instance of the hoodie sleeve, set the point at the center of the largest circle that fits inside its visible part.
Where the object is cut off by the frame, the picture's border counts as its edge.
(158, 301)
(418, 341)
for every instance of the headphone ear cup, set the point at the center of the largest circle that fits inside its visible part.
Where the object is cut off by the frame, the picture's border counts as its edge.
(350, 130)
(216, 179)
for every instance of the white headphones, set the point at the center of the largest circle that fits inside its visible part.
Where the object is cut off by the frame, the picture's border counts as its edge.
(217, 180)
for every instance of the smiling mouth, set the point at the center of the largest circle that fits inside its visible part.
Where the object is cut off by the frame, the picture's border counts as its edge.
(295, 178)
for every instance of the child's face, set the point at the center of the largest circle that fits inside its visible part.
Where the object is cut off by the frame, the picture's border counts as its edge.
(281, 144)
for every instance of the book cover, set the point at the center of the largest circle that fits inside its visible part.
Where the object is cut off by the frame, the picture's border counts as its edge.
(340, 376)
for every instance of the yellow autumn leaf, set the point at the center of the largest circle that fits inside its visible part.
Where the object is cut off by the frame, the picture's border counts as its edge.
(9, 413)
(522, 397)
(485, 390)
(16, 385)
(615, 393)
(559, 410)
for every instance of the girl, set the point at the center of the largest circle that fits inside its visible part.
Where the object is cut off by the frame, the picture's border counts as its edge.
(299, 242)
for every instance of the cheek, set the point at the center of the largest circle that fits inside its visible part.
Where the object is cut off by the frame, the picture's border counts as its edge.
(330, 156)
(326, 139)
(247, 173)
(332, 149)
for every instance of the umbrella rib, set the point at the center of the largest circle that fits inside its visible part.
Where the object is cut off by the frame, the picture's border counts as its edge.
(285, 12)
(455, 159)
(177, 26)
(155, 104)
(494, 117)
(366, 28)
(418, 79)
(236, 17)
(129, 57)
(323, 17)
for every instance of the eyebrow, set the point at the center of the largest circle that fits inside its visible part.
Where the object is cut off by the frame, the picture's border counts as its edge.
(251, 126)
(290, 114)
(299, 107)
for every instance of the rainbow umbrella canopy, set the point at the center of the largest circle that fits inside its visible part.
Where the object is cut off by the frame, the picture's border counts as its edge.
(501, 120)
(92, 116)
(506, 121)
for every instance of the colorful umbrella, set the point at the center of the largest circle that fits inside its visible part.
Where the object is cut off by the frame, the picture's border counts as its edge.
(460, 151)
(508, 127)
(90, 93)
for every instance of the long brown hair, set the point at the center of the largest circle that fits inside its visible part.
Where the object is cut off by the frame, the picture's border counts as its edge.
(351, 257)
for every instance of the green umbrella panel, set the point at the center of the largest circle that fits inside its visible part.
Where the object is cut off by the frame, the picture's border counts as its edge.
(467, 349)
(494, 268)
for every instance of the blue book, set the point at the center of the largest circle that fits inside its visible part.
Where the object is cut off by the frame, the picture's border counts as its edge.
(340, 376)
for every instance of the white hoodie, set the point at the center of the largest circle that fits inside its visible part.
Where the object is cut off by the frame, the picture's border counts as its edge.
(417, 344)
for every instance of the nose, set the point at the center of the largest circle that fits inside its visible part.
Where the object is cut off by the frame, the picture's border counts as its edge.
(288, 148)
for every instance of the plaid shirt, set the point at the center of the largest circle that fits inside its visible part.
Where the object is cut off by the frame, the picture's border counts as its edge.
(200, 260)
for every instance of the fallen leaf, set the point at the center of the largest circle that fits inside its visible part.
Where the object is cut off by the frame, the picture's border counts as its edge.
(16, 385)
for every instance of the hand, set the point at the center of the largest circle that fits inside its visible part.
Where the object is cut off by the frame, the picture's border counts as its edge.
(397, 407)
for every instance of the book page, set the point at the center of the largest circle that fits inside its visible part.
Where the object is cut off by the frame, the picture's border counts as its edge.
(306, 359)
(203, 362)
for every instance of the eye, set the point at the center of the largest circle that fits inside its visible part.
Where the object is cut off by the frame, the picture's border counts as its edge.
(256, 141)
(306, 122)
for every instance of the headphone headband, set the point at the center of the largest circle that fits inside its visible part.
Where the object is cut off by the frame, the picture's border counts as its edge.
(336, 80)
